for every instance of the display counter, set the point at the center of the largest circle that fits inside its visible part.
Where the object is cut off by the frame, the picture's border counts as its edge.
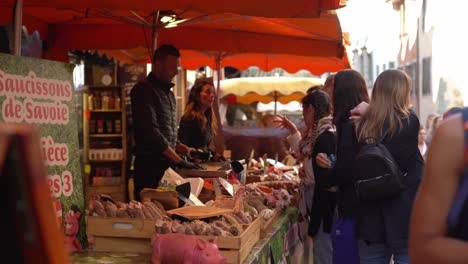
(280, 245)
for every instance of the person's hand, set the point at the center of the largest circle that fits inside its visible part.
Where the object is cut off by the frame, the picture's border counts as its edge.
(302, 173)
(323, 161)
(199, 154)
(358, 111)
(183, 164)
(297, 155)
(218, 157)
(282, 121)
(189, 153)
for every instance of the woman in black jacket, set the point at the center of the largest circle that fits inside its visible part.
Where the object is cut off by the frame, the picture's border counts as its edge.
(349, 90)
(317, 212)
(198, 123)
(382, 225)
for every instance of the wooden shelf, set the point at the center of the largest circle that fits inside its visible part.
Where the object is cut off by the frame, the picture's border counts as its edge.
(106, 185)
(106, 111)
(105, 161)
(103, 87)
(104, 135)
(116, 190)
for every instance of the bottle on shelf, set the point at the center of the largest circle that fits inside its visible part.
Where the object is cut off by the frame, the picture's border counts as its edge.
(90, 101)
(111, 101)
(109, 126)
(100, 126)
(105, 101)
(117, 126)
(92, 126)
(116, 101)
(97, 101)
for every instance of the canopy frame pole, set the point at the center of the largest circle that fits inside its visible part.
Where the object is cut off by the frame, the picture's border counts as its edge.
(17, 27)
(154, 36)
(276, 102)
(219, 137)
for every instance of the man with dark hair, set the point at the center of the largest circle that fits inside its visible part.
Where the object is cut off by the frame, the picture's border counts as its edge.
(155, 122)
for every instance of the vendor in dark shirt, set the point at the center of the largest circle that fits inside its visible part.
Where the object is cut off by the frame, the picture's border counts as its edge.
(155, 124)
(198, 123)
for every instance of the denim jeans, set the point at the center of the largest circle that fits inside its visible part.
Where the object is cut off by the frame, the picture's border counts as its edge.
(380, 253)
(345, 245)
(323, 250)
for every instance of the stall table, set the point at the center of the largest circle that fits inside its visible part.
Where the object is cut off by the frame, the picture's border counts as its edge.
(279, 246)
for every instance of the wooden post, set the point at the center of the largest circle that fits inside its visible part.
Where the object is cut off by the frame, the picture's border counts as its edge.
(17, 27)
(219, 137)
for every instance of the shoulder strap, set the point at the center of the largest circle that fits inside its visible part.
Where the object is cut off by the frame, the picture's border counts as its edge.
(462, 192)
(385, 132)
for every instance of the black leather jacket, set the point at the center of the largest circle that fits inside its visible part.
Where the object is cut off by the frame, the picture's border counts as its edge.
(154, 116)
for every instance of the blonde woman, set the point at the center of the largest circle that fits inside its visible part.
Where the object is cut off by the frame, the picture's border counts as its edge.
(382, 226)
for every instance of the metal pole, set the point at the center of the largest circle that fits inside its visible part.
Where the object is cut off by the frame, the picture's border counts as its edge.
(276, 101)
(17, 26)
(219, 138)
(154, 36)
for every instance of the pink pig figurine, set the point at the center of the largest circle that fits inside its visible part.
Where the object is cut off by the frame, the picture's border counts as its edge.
(182, 249)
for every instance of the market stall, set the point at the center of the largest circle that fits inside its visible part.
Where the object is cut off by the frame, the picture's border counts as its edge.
(255, 224)
(240, 221)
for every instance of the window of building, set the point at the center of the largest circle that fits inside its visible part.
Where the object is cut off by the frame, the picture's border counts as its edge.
(427, 76)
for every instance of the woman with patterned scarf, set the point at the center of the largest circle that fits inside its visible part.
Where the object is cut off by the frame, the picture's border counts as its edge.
(317, 203)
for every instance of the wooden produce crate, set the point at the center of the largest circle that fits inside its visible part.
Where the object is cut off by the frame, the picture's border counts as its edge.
(268, 223)
(112, 234)
(237, 248)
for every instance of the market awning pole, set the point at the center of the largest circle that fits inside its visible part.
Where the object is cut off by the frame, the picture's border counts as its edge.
(154, 36)
(276, 101)
(219, 137)
(17, 25)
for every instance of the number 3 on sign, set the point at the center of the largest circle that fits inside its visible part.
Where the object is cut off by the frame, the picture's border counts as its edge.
(60, 185)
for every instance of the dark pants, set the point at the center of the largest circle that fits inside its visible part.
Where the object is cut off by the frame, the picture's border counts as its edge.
(381, 253)
(149, 170)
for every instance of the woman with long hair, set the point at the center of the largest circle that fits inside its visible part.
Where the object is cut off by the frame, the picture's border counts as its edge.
(198, 124)
(382, 226)
(349, 90)
(317, 202)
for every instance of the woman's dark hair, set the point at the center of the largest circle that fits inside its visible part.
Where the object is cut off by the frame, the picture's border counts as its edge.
(349, 90)
(320, 101)
(193, 106)
(315, 87)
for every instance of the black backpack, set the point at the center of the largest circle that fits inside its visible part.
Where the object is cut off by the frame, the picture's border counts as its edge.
(376, 174)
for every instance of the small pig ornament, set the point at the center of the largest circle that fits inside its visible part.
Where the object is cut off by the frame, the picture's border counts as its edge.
(177, 248)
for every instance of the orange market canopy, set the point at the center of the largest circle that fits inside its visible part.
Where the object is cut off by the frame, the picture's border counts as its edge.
(261, 8)
(312, 43)
(193, 59)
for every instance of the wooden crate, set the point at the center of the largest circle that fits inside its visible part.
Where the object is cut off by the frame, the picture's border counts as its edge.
(114, 234)
(237, 248)
(132, 235)
(268, 223)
